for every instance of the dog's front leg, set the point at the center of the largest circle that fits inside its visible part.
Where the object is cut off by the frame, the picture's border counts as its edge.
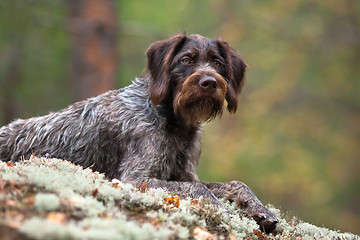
(185, 189)
(242, 195)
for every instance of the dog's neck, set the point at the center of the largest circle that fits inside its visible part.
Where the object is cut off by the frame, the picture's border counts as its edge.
(175, 123)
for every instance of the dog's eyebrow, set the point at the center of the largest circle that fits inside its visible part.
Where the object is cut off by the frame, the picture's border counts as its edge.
(190, 53)
(214, 54)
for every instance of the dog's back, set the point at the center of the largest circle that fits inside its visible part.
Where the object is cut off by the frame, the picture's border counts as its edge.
(48, 134)
(72, 134)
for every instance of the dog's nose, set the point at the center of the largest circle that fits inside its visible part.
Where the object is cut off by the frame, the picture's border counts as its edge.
(208, 83)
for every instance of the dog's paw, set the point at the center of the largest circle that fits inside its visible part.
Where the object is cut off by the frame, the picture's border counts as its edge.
(253, 208)
(266, 221)
(265, 218)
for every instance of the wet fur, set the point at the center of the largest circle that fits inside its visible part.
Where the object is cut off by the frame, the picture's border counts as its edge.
(151, 130)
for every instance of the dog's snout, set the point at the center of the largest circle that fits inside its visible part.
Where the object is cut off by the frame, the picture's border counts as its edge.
(208, 83)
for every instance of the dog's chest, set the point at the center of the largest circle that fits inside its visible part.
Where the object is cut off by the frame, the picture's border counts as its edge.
(181, 152)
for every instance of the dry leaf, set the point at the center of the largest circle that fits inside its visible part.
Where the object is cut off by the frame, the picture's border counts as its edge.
(201, 234)
(30, 201)
(10, 164)
(155, 223)
(174, 200)
(194, 202)
(102, 215)
(95, 192)
(57, 217)
(117, 184)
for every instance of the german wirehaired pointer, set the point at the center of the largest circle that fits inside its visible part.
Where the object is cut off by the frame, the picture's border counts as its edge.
(149, 131)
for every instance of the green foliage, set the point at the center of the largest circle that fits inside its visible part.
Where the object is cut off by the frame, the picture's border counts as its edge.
(296, 137)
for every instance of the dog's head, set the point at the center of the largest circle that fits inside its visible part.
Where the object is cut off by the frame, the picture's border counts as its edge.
(197, 73)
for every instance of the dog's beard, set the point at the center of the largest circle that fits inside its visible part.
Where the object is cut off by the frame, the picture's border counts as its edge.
(200, 111)
(197, 105)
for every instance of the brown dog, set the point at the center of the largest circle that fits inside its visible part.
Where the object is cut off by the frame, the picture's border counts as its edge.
(151, 130)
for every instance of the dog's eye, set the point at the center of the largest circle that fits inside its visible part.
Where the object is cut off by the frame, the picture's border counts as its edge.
(186, 60)
(217, 63)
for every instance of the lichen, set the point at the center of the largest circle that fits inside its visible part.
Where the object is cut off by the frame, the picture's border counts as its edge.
(70, 202)
(47, 201)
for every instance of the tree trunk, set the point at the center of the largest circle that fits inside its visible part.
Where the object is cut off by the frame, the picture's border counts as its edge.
(94, 39)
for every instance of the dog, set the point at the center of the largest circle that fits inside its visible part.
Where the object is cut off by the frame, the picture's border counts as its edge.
(149, 131)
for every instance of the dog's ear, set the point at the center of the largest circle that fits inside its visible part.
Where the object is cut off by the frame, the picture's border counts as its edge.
(235, 73)
(160, 55)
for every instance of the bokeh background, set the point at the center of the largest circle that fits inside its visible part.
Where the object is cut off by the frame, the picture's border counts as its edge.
(295, 139)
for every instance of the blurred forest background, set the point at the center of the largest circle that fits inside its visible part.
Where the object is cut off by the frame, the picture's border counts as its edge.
(295, 139)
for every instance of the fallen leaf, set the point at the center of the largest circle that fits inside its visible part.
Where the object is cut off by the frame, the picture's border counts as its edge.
(174, 200)
(194, 202)
(155, 223)
(102, 215)
(117, 184)
(10, 164)
(30, 201)
(201, 234)
(57, 217)
(95, 192)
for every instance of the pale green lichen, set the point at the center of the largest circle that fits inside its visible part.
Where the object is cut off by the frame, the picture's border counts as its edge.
(95, 209)
(310, 231)
(46, 201)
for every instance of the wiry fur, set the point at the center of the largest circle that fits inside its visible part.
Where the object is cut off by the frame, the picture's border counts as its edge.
(151, 130)
(102, 132)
